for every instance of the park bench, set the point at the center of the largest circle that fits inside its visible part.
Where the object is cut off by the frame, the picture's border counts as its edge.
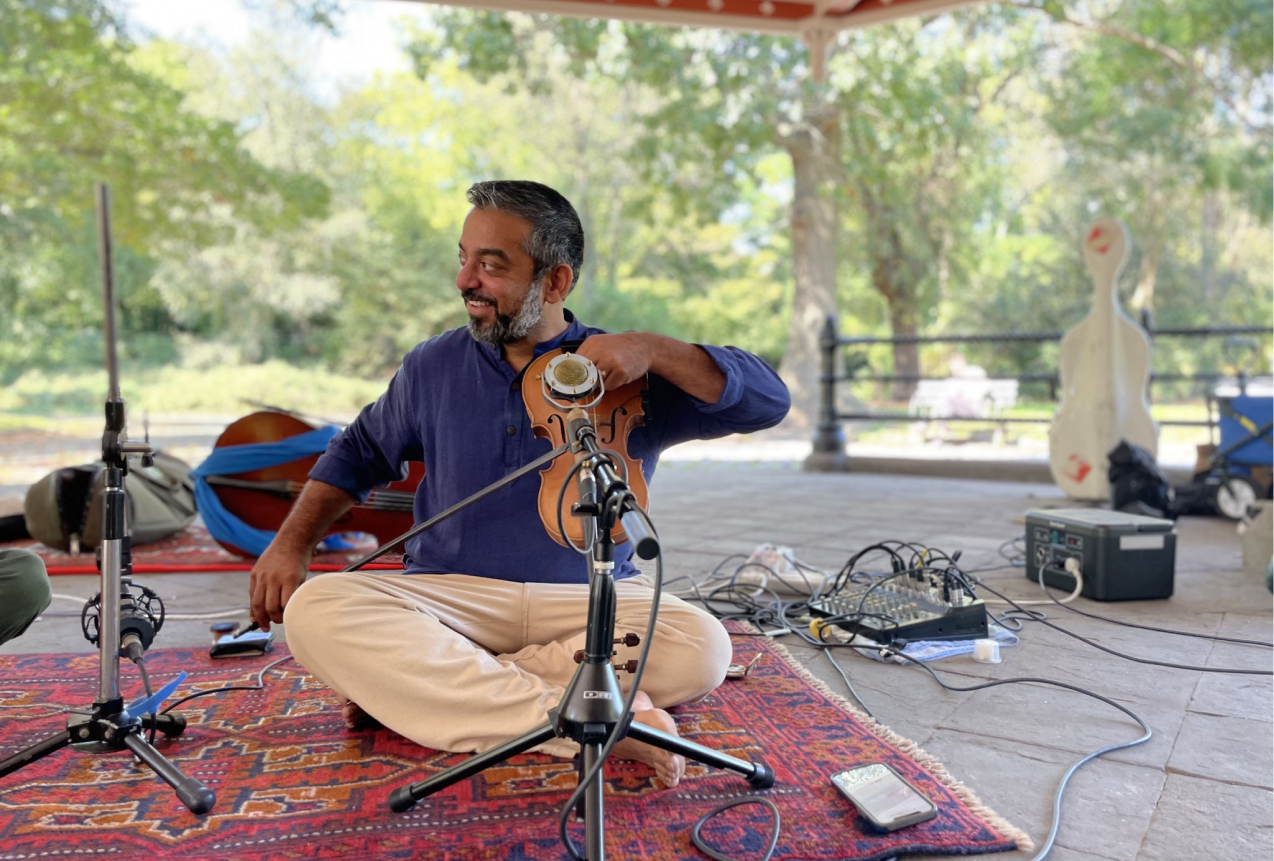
(963, 397)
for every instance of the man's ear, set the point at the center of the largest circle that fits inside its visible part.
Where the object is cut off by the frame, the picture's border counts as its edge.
(558, 283)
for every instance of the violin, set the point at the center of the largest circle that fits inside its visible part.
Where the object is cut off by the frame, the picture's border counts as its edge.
(613, 413)
(263, 497)
(1105, 376)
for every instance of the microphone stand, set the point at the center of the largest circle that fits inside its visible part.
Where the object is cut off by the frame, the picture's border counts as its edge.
(110, 725)
(591, 708)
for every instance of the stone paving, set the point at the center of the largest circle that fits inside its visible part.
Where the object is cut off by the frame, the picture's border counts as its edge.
(1201, 788)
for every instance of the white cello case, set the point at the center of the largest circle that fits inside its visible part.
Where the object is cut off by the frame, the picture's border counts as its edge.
(1105, 377)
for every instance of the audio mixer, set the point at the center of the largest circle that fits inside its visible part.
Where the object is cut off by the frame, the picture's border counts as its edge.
(903, 609)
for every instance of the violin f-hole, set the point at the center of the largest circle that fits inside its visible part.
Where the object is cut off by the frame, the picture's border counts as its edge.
(609, 437)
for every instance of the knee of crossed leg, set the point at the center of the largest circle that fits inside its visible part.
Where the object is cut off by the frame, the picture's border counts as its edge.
(26, 596)
(304, 611)
(718, 652)
(696, 665)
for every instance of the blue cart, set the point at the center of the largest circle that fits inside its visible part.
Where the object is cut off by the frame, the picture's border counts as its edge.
(1241, 463)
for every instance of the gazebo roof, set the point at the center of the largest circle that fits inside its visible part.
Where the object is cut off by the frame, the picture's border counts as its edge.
(791, 17)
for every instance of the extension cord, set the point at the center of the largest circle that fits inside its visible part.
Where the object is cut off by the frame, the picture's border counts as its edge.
(788, 577)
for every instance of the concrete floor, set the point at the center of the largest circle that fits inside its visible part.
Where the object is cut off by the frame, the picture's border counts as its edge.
(1201, 788)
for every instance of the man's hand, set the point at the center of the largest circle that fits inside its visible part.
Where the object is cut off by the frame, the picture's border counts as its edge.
(282, 567)
(277, 574)
(623, 358)
(619, 359)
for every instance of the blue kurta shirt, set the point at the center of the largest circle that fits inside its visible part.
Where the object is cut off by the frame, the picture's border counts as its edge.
(456, 405)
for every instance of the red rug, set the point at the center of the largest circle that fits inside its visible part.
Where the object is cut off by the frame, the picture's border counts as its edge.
(293, 783)
(192, 549)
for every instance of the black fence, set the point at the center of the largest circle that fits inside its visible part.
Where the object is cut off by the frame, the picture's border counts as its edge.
(829, 437)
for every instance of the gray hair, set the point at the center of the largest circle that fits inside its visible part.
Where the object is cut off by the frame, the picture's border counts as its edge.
(556, 235)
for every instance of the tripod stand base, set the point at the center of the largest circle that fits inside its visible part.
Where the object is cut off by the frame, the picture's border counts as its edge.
(102, 735)
(39, 750)
(405, 797)
(197, 797)
(107, 734)
(758, 774)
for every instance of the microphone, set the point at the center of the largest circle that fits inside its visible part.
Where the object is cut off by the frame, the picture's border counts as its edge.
(569, 379)
(577, 424)
(571, 371)
(580, 430)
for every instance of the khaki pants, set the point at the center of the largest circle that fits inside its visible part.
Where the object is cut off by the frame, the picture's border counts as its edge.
(463, 664)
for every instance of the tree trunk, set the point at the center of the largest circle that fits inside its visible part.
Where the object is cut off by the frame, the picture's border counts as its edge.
(895, 280)
(906, 356)
(1209, 250)
(814, 145)
(1143, 297)
(1154, 238)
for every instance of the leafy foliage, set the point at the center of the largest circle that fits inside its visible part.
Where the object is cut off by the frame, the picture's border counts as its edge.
(256, 221)
(75, 110)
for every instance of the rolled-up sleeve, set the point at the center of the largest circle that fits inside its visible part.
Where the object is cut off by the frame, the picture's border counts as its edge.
(754, 398)
(372, 450)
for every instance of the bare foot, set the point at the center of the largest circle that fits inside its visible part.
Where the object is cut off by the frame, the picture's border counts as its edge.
(669, 767)
(355, 717)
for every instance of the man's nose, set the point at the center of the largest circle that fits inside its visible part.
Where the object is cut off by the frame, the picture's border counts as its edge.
(467, 277)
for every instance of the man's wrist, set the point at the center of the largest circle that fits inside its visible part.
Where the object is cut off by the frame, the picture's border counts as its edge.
(295, 546)
(650, 343)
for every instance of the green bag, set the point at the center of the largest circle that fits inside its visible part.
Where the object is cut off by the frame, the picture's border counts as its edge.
(63, 510)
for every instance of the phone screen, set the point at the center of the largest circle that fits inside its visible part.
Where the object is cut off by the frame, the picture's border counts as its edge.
(881, 793)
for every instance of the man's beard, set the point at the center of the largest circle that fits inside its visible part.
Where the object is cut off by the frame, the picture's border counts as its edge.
(507, 328)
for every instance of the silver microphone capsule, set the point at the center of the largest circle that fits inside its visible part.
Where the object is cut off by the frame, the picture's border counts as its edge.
(571, 378)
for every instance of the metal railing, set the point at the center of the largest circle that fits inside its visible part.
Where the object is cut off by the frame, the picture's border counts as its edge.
(829, 437)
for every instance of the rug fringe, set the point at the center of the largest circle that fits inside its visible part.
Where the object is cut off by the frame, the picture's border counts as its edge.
(927, 761)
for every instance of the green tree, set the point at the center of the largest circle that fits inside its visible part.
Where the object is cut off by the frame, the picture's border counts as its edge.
(1160, 103)
(76, 109)
(891, 140)
(1157, 113)
(704, 108)
(258, 290)
(920, 105)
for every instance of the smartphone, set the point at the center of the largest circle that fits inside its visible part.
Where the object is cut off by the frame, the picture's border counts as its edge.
(882, 796)
(243, 646)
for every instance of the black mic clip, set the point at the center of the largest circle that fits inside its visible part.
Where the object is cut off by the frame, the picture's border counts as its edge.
(141, 615)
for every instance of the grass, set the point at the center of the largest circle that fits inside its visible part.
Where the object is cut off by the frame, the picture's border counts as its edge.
(227, 390)
(891, 432)
(41, 400)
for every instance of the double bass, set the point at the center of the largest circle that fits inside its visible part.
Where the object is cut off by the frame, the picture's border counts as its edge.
(1105, 376)
(262, 498)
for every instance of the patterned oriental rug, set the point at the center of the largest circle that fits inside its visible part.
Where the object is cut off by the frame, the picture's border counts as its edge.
(293, 783)
(193, 549)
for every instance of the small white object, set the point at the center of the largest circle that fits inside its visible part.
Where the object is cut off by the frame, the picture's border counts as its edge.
(1141, 542)
(986, 651)
(790, 574)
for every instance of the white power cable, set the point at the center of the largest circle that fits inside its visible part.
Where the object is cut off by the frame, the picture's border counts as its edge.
(1072, 567)
(176, 617)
